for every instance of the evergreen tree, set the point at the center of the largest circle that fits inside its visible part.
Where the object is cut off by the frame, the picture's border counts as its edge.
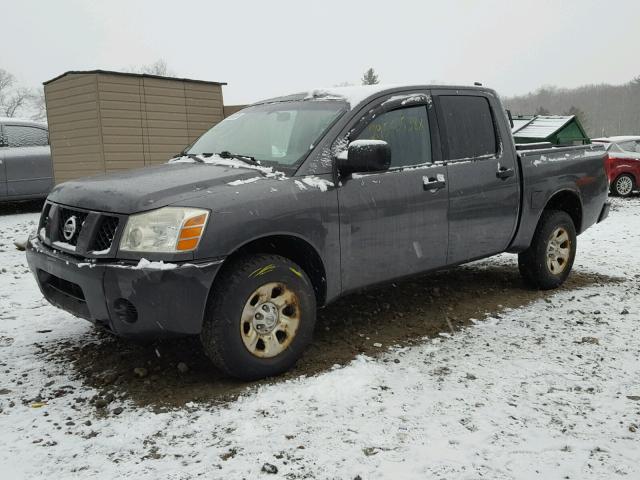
(370, 77)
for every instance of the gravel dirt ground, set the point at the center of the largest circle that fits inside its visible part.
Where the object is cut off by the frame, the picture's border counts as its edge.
(459, 374)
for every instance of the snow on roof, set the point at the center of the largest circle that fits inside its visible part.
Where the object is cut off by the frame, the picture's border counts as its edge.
(353, 95)
(518, 123)
(129, 74)
(616, 139)
(21, 121)
(543, 126)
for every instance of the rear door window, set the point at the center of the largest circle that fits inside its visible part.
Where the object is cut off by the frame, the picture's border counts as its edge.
(469, 129)
(25, 136)
(632, 146)
(406, 130)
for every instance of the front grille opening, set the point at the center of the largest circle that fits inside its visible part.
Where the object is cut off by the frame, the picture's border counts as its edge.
(60, 285)
(105, 234)
(65, 215)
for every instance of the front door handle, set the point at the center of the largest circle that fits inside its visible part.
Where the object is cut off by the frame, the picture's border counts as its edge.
(504, 173)
(433, 184)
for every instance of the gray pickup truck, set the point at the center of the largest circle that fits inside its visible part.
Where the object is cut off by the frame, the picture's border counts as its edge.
(26, 171)
(294, 201)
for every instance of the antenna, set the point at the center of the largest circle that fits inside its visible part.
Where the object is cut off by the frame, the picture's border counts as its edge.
(477, 84)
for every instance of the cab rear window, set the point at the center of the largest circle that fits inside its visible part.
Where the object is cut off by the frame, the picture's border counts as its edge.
(469, 130)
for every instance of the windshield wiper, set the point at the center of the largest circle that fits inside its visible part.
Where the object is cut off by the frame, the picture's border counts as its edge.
(192, 156)
(245, 158)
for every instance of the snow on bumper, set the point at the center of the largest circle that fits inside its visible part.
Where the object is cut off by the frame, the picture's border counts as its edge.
(131, 300)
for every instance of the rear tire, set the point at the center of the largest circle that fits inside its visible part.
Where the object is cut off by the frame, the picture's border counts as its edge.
(260, 317)
(624, 185)
(547, 262)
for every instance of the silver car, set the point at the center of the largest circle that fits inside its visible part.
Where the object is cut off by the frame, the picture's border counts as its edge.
(26, 170)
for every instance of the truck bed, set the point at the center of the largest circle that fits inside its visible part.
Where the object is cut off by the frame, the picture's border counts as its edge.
(547, 172)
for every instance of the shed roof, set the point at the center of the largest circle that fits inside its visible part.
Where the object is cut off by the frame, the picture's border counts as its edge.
(112, 72)
(542, 126)
(520, 122)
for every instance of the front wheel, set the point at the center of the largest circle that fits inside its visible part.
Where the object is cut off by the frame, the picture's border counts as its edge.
(547, 262)
(623, 185)
(260, 317)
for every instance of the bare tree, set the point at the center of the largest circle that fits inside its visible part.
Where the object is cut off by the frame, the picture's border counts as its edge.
(12, 100)
(159, 67)
(580, 115)
(6, 81)
(370, 77)
(39, 106)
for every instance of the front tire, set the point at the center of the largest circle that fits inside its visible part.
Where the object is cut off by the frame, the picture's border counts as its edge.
(547, 262)
(260, 317)
(624, 185)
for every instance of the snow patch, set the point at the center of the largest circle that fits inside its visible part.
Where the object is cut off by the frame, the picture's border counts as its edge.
(268, 172)
(317, 182)
(145, 264)
(411, 98)
(243, 182)
(65, 246)
(353, 95)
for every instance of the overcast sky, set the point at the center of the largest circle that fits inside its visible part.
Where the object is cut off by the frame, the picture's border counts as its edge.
(271, 47)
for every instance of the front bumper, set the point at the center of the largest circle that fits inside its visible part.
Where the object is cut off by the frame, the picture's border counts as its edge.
(129, 301)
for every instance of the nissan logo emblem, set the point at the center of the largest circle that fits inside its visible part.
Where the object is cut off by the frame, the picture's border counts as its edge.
(69, 228)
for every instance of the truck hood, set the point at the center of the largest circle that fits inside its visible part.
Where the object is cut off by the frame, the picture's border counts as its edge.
(147, 188)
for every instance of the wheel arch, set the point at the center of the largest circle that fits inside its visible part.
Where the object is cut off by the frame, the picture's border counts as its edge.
(567, 201)
(293, 247)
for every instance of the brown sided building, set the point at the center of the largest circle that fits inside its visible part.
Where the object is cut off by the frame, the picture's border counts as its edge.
(102, 121)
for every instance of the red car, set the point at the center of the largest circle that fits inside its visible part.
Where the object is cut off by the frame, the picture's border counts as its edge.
(622, 163)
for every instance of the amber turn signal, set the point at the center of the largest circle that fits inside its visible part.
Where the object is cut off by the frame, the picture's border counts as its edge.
(191, 232)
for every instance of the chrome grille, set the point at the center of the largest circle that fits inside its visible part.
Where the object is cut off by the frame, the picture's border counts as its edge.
(105, 234)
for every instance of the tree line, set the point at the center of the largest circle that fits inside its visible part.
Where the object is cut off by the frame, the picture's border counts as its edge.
(19, 101)
(603, 110)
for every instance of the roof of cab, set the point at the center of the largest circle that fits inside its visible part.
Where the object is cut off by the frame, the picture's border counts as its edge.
(355, 95)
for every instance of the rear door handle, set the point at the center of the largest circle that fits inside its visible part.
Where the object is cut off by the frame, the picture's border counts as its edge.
(504, 173)
(433, 184)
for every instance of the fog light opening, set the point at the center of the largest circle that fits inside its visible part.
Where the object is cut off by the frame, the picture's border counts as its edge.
(125, 310)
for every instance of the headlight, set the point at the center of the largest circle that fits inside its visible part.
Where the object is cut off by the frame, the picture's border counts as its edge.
(166, 230)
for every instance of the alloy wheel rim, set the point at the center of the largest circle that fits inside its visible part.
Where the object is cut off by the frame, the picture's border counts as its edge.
(270, 320)
(558, 251)
(624, 185)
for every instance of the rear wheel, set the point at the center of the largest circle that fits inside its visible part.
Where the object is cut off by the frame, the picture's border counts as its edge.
(260, 317)
(547, 262)
(623, 185)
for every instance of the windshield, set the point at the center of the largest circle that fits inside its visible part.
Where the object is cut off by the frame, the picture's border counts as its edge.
(279, 133)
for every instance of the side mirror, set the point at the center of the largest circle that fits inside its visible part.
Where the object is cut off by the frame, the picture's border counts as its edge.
(365, 156)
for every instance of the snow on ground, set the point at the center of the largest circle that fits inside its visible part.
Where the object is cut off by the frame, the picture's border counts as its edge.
(550, 390)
